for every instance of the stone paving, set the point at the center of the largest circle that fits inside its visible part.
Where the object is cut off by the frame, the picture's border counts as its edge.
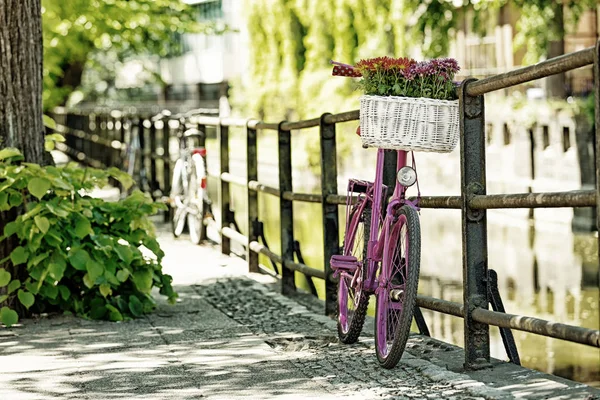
(233, 336)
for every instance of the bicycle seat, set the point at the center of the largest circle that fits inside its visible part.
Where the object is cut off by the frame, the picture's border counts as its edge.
(193, 132)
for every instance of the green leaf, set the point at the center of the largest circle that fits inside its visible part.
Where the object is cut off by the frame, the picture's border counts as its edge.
(50, 123)
(135, 306)
(38, 187)
(98, 312)
(9, 152)
(3, 298)
(4, 201)
(13, 285)
(124, 178)
(124, 253)
(79, 258)
(143, 280)
(98, 308)
(35, 260)
(11, 228)
(105, 290)
(64, 291)
(26, 298)
(15, 199)
(87, 281)
(56, 268)
(114, 314)
(83, 227)
(49, 291)
(42, 223)
(122, 275)
(8, 317)
(94, 269)
(56, 210)
(53, 238)
(19, 255)
(32, 287)
(5, 277)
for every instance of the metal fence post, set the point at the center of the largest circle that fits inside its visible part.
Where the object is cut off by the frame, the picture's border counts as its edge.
(252, 168)
(224, 197)
(153, 180)
(286, 209)
(474, 227)
(331, 239)
(166, 157)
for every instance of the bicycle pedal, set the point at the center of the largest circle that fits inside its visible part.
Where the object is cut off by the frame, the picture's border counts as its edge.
(349, 263)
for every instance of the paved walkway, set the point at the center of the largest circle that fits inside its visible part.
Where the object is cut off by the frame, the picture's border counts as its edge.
(233, 336)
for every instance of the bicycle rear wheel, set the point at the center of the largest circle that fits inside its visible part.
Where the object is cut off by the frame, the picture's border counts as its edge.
(196, 189)
(177, 196)
(398, 283)
(352, 301)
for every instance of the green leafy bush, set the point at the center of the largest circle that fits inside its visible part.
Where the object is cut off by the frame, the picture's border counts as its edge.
(82, 255)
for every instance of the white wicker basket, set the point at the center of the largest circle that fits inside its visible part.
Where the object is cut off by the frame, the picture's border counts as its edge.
(405, 123)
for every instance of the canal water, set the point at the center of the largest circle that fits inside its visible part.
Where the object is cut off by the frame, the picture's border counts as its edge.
(544, 269)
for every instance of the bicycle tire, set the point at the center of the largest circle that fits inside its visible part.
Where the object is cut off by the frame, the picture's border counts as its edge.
(352, 306)
(393, 317)
(177, 194)
(195, 219)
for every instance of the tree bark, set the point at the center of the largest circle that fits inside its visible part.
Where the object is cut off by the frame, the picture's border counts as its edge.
(21, 78)
(20, 92)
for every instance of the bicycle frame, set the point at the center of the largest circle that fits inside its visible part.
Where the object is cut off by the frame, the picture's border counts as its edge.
(378, 237)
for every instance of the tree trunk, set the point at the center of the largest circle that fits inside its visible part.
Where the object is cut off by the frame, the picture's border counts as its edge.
(20, 91)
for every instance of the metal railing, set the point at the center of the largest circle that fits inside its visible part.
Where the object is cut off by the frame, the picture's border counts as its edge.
(473, 202)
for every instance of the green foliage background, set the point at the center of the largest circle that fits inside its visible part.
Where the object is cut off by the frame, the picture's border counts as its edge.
(75, 30)
(292, 42)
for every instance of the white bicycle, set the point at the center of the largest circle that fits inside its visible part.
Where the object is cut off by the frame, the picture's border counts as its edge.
(189, 195)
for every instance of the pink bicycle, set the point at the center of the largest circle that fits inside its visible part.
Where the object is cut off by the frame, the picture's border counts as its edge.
(381, 256)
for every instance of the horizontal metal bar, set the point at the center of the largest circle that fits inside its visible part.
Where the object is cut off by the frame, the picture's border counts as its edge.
(538, 326)
(266, 125)
(576, 198)
(259, 248)
(234, 122)
(425, 202)
(342, 117)
(253, 123)
(306, 197)
(542, 69)
(305, 269)
(259, 187)
(235, 235)
(294, 266)
(439, 201)
(336, 199)
(267, 271)
(79, 156)
(210, 121)
(227, 177)
(443, 306)
(307, 123)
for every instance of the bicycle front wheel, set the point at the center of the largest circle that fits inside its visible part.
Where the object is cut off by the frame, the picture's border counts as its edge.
(196, 189)
(177, 199)
(398, 284)
(352, 300)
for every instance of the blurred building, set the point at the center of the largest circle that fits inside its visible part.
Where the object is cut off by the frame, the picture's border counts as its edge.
(494, 52)
(207, 63)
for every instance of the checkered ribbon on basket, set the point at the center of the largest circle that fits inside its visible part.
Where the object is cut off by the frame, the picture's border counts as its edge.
(340, 69)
